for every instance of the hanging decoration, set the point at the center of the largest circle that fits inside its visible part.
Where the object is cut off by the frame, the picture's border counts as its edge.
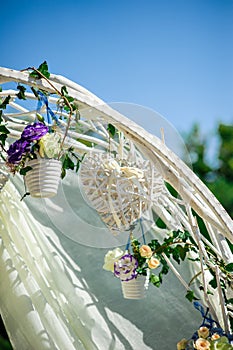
(40, 154)
(120, 190)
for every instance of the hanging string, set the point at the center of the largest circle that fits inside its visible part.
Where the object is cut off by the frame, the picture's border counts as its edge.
(128, 243)
(142, 229)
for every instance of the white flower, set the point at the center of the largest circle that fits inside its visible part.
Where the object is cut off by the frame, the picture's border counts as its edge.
(111, 257)
(49, 145)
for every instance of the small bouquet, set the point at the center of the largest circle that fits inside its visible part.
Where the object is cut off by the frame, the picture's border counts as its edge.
(209, 336)
(130, 267)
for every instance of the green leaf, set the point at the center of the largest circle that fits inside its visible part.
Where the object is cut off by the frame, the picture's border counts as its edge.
(182, 252)
(43, 68)
(3, 138)
(229, 267)
(23, 171)
(155, 280)
(176, 255)
(0, 88)
(190, 296)
(21, 93)
(213, 283)
(4, 130)
(5, 102)
(63, 173)
(40, 117)
(64, 90)
(86, 143)
(68, 163)
(111, 129)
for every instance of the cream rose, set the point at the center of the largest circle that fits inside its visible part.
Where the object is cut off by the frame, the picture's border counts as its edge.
(215, 336)
(153, 263)
(49, 145)
(145, 251)
(203, 332)
(182, 344)
(202, 344)
(111, 257)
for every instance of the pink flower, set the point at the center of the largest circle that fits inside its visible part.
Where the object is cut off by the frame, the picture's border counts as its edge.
(145, 251)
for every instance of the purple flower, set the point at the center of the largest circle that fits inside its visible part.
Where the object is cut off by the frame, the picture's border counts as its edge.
(17, 150)
(125, 267)
(34, 132)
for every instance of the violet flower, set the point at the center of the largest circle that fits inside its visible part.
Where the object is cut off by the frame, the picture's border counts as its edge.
(17, 150)
(125, 267)
(34, 132)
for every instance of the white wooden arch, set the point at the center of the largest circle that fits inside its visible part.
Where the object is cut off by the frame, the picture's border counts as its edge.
(193, 194)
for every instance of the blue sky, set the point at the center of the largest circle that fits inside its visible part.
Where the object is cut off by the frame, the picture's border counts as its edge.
(174, 56)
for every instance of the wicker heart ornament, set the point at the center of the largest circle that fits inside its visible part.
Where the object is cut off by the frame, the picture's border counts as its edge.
(121, 192)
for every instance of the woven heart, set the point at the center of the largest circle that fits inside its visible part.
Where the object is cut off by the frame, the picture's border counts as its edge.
(119, 191)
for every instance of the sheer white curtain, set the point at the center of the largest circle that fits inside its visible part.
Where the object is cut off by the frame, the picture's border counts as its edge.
(55, 295)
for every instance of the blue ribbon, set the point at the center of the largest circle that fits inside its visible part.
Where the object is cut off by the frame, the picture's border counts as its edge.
(213, 325)
(44, 100)
(143, 235)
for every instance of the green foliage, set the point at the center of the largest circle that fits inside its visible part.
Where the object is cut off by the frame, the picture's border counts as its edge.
(43, 68)
(5, 344)
(3, 129)
(24, 170)
(69, 101)
(21, 93)
(5, 102)
(219, 178)
(112, 130)
(190, 296)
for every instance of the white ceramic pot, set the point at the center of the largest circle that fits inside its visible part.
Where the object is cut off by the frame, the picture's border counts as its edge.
(135, 288)
(43, 179)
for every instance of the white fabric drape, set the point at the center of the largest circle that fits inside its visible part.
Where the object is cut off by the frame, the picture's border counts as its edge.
(54, 293)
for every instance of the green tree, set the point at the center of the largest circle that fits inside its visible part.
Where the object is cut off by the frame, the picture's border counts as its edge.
(218, 173)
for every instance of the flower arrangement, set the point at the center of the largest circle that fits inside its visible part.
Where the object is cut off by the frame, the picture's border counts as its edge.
(128, 266)
(142, 259)
(35, 141)
(44, 140)
(209, 336)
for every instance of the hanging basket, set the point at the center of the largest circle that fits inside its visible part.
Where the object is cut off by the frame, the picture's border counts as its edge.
(43, 179)
(135, 288)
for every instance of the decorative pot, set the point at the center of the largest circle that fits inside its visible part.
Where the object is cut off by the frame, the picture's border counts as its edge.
(135, 288)
(43, 179)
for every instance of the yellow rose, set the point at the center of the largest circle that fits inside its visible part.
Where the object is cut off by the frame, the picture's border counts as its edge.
(203, 332)
(153, 263)
(111, 257)
(215, 336)
(202, 344)
(145, 251)
(182, 344)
